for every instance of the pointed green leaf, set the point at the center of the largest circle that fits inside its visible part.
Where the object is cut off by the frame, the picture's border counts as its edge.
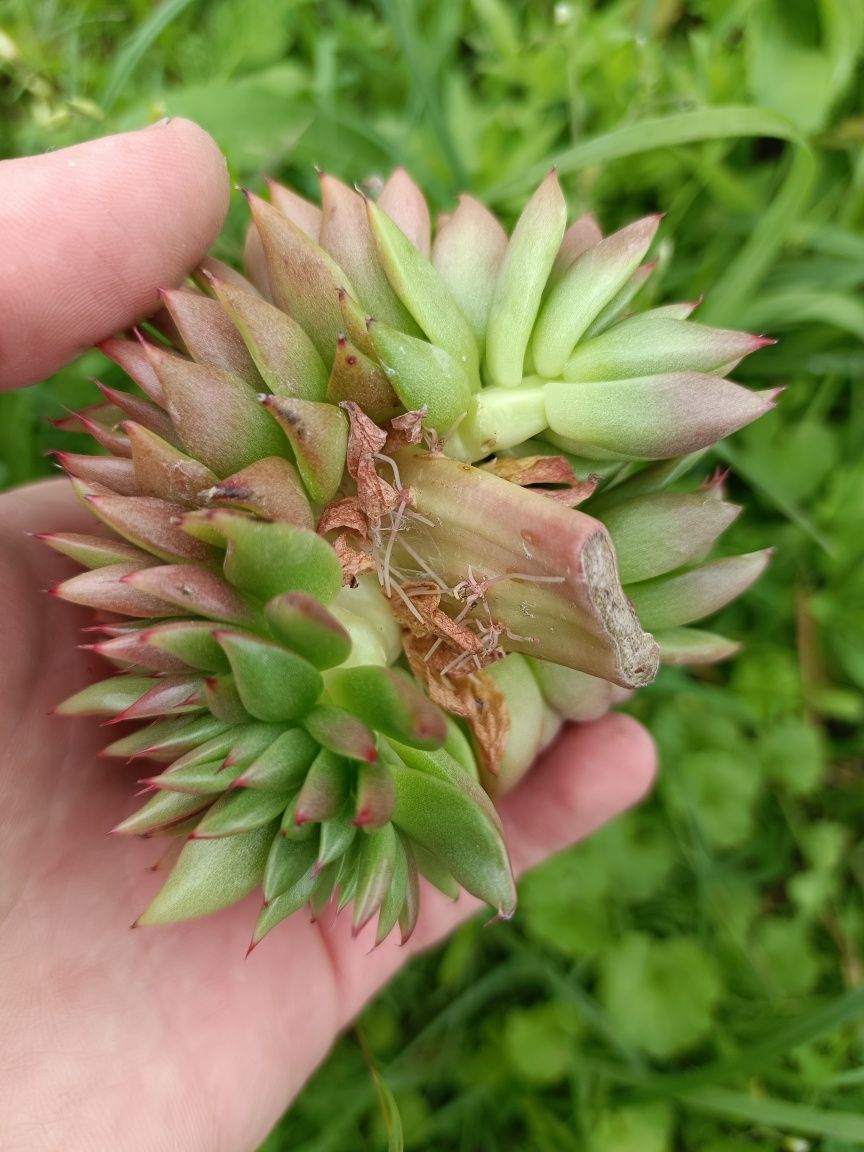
(273, 683)
(210, 875)
(389, 701)
(448, 824)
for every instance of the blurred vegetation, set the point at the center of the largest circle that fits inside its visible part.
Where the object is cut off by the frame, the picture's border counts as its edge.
(691, 978)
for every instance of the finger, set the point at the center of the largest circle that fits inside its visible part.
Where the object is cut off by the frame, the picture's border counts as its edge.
(592, 773)
(91, 232)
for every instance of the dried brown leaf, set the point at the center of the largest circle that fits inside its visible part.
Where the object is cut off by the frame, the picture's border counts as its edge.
(346, 513)
(476, 698)
(353, 561)
(529, 470)
(365, 441)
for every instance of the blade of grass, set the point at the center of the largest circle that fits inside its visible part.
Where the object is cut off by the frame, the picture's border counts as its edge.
(135, 48)
(730, 295)
(722, 123)
(782, 1114)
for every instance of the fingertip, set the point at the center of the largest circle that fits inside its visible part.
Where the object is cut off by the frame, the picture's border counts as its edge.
(591, 774)
(91, 231)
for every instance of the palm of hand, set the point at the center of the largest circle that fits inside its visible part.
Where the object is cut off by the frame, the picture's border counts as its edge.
(169, 1038)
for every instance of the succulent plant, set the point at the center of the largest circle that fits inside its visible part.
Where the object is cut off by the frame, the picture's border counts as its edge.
(384, 513)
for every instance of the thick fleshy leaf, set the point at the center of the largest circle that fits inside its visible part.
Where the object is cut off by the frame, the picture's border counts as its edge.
(347, 236)
(376, 796)
(216, 414)
(208, 779)
(283, 906)
(647, 347)
(318, 433)
(441, 764)
(291, 828)
(500, 418)
(651, 417)
(224, 701)
(303, 623)
(575, 695)
(195, 590)
(410, 910)
(581, 235)
(671, 601)
(526, 714)
(240, 811)
(519, 288)
(95, 551)
(342, 733)
(132, 358)
(274, 684)
(151, 524)
(303, 278)
(405, 204)
(288, 862)
(267, 559)
(446, 823)
(424, 294)
(657, 533)
(270, 488)
(286, 358)
(300, 211)
(355, 377)
(694, 646)
(99, 421)
(282, 766)
(208, 334)
(467, 255)
(189, 641)
(423, 376)
(394, 899)
(337, 836)
(325, 789)
(106, 697)
(117, 473)
(389, 701)
(132, 648)
(586, 287)
(163, 470)
(162, 812)
(142, 411)
(167, 739)
(614, 310)
(210, 875)
(168, 696)
(376, 866)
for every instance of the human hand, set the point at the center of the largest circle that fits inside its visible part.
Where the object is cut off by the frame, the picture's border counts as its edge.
(163, 1038)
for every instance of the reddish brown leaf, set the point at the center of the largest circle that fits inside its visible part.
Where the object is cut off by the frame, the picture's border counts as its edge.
(365, 441)
(529, 470)
(345, 513)
(476, 698)
(406, 429)
(352, 560)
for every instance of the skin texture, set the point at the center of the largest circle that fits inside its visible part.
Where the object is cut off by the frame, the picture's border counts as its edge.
(161, 1038)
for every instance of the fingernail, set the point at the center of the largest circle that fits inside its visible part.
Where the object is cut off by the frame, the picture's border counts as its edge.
(161, 123)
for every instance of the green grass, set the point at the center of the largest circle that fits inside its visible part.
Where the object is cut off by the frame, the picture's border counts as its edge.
(689, 979)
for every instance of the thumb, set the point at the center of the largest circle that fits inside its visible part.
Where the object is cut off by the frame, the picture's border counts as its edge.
(91, 232)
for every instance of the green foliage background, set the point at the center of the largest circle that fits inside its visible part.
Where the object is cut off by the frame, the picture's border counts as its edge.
(691, 977)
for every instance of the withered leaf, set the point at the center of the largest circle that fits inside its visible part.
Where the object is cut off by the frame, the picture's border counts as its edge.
(476, 698)
(345, 513)
(406, 429)
(365, 440)
(436, 624)
(353, 561)
(530, 470)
